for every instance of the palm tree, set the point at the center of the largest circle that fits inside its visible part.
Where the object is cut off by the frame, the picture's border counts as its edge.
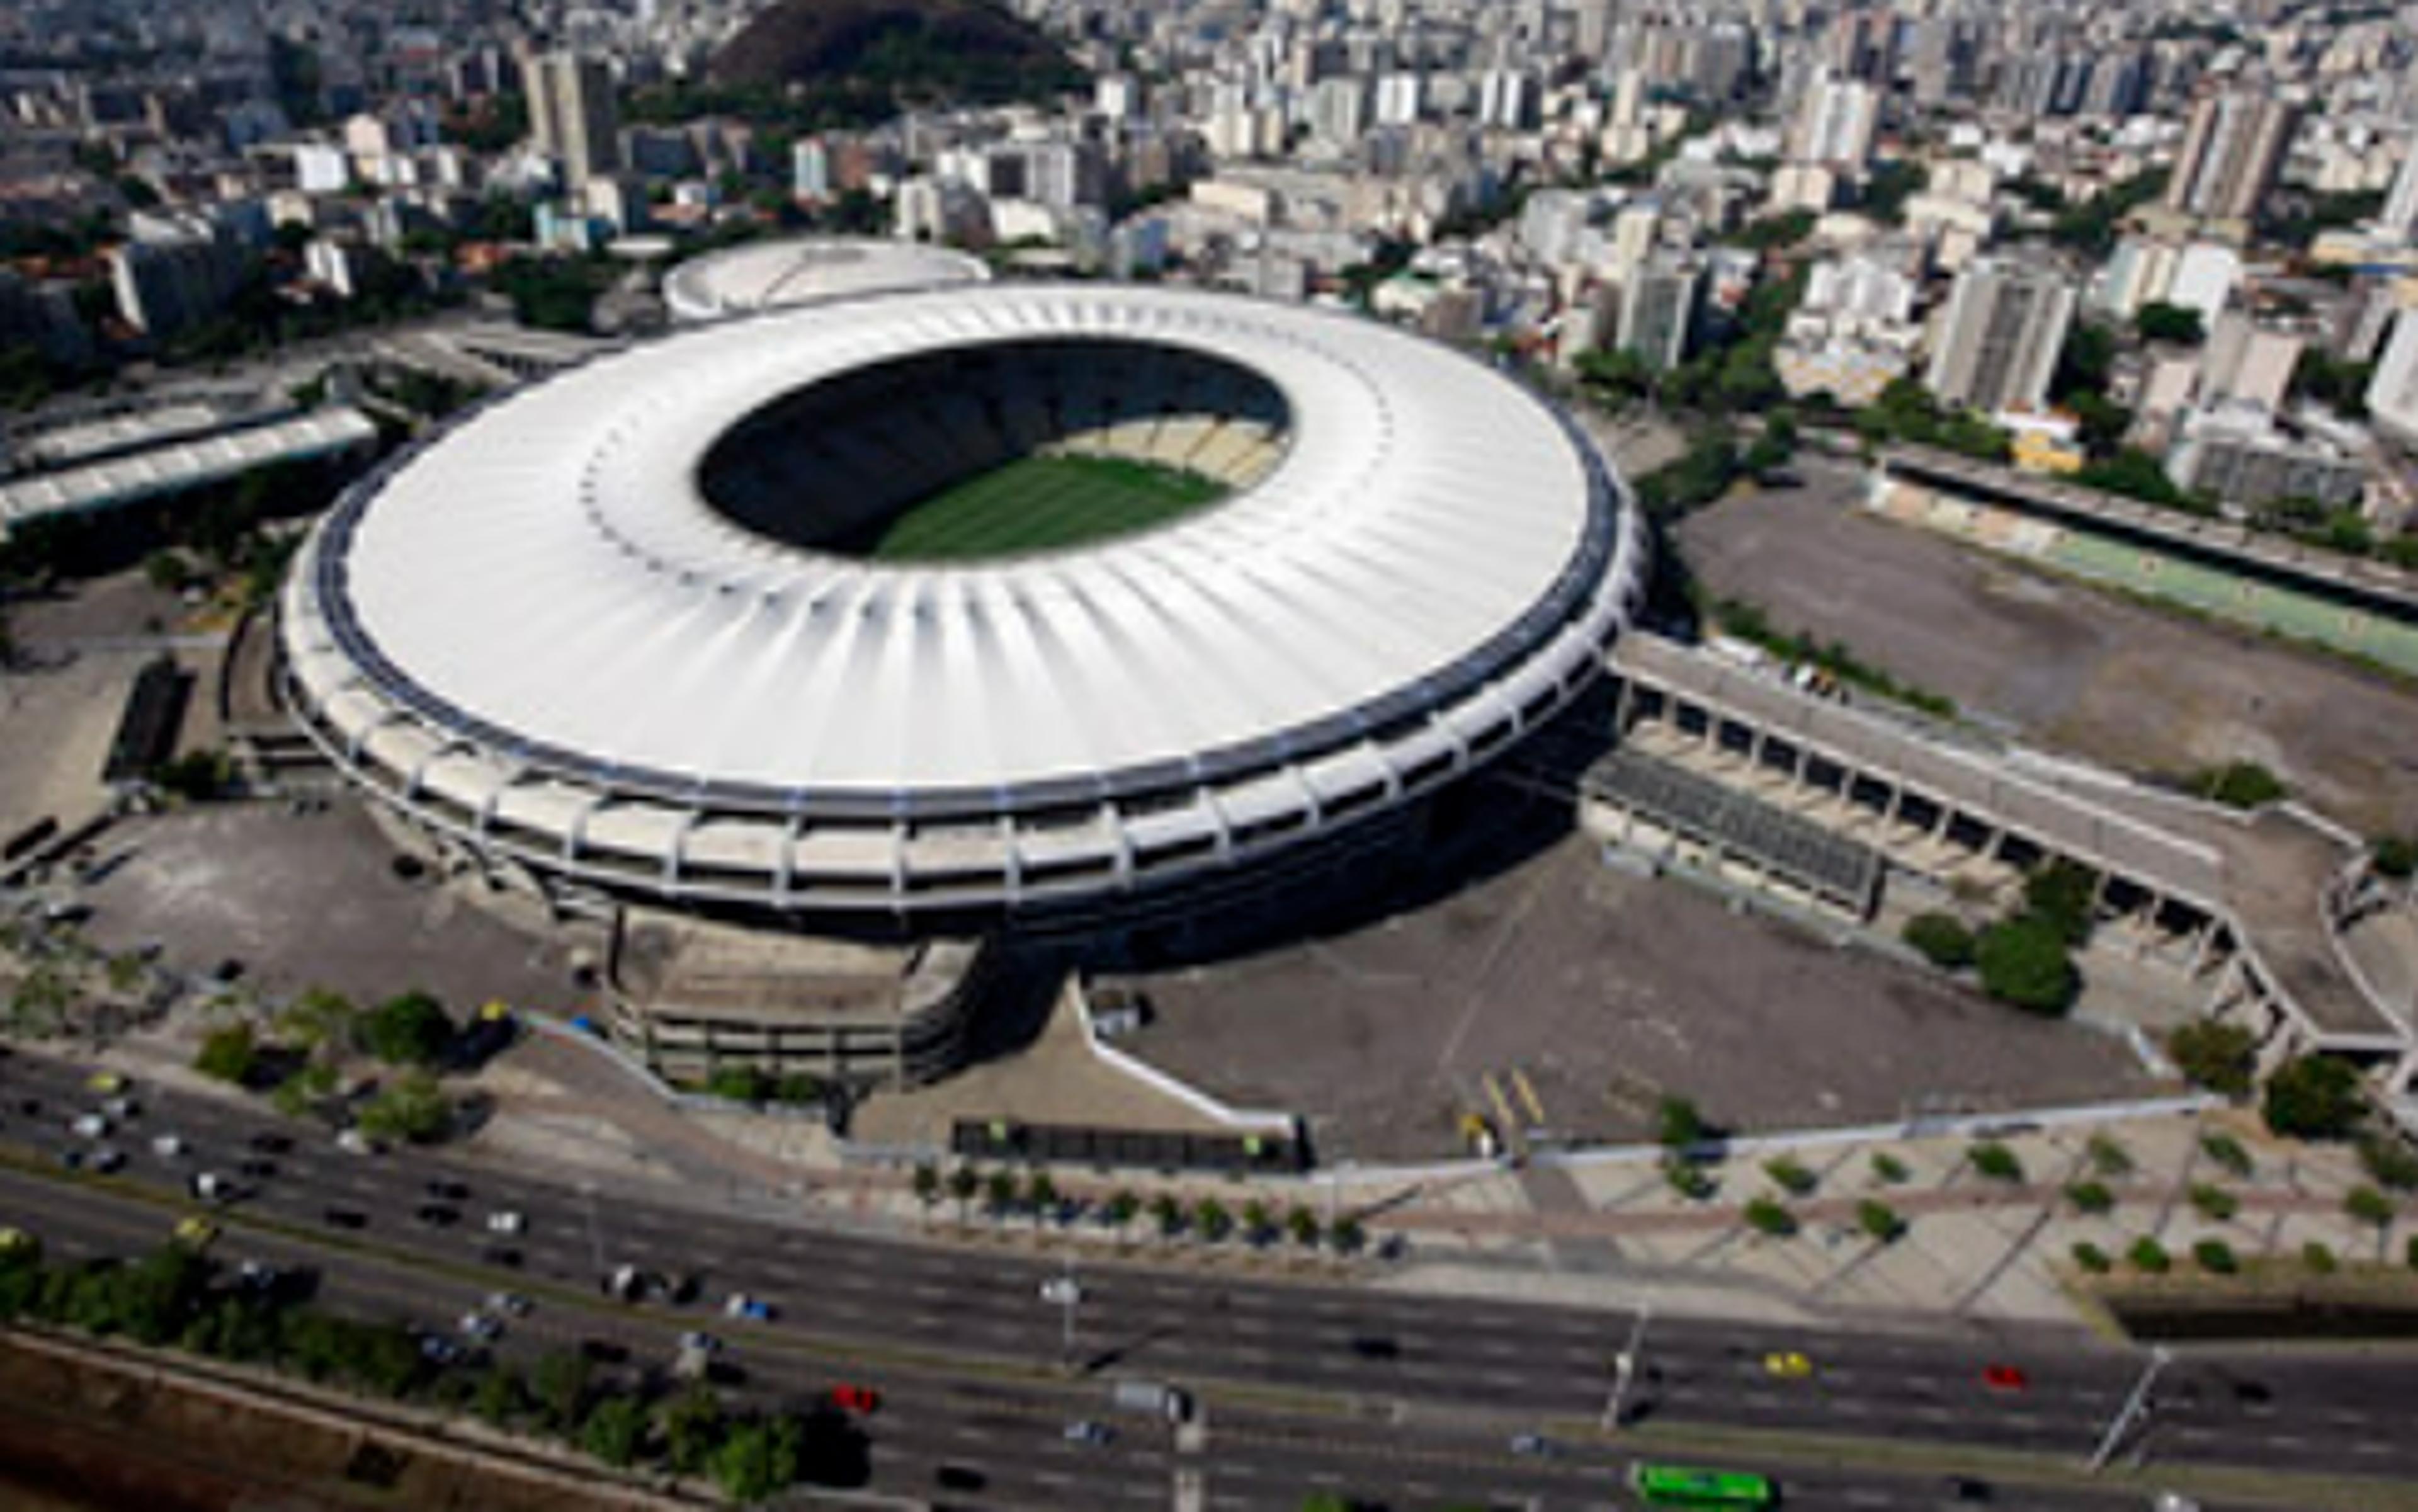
(1169, 1213)
(1210, 1216)
(999, 1192)
(1303, 1225)
(963, 1184)
(1043, 1194)
(1258, 1221)
(1120, 1212)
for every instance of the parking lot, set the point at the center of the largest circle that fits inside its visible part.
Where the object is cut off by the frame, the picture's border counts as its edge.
(1581, 995)
(304, 900)
(2068, 666)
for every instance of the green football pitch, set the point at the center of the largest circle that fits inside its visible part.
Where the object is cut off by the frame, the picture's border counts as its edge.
(1042, 504)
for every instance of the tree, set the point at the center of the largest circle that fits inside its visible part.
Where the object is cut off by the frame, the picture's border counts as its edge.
(2063, 893)
(318, 1019)
(2159, 321)
(2091, 1257)
(927, 1185)
(2215, 1257)
(2024, 962)
(1790, 1176)
(744, 1465)
(1681, 1126)
(2313, 1097)
(2214, 1202)
(1880, 1221)
(742, 1083)
(559, 1384)
(1167, 1214)
(407, 1030)
(1347, 1235)
(1210, 1217)
(2149, 1257)
(168, 571)
(2238, 785)
(228, 1054)
(1942, 938)
(2092, 1197)
(1303, 1225)
(2221, 1056)
(1258, 1221)
(1889, 1169)
(999, 1191)
(963, 1184)
(2108, 1156)
(691, 1427)
(1768, 1218)
(1041, 1194)
(499, 1400)
(615, 1431)
(2395, 855)
(2369, 1206)
(1996, 1161)
(1119, 1210)
(412, 1108)
(2227, 1151)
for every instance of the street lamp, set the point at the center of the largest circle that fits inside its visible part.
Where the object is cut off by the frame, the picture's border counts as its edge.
(2134, 1407)
(1623, 1368)
(1065, 1293)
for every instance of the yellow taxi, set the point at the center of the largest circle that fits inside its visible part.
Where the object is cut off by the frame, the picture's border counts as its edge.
(196, 1233)
(1787, 1365)
(105, 1082)
(15, 1241)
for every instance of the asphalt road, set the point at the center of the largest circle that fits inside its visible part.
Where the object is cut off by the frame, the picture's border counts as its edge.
(1400, 1396)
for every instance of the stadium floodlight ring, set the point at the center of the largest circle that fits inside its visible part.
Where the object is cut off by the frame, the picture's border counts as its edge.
(537, 636)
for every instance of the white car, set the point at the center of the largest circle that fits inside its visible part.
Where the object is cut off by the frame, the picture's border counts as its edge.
(354, 1142)
(506, 1222)
(89, 1126)
(168, 1146)
(479, 1325)
(508, 1304)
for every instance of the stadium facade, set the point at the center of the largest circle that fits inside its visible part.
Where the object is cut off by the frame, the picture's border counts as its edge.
(624, 634)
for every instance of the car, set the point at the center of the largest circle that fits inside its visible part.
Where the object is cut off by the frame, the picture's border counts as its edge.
(959, 1478)
(438, 1350)
(855, 1398)
(1375, 1347)
(347, 1218)
(1531, 1443)
(30, 1106)
(107, 1083)
(271, 1144)
(195, 1231)
(1087, 1431)
(438, 1215)
(742, 1305)
(700, 1342)
(1965, 1489)
(72, 1159)
(212, 1187)
(1788, 1365)
(121, 1108)
(257, 1168)
(354, 1142)
(505, 1221)
(168, 1146)
(450, 1191)
(480, 1326)
(108, 1158)
(508, 1304)
(605, 1351)
(88, 1126)
(503, 1255)
(2004, 1378)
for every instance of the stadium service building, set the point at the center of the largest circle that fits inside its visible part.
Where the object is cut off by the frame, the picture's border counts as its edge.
(629, 634)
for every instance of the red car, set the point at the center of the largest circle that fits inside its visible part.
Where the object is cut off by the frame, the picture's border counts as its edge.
(856, 1399)
(2004, 1378)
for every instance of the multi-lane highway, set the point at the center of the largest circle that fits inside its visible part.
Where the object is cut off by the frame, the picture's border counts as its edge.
(1413, 1399)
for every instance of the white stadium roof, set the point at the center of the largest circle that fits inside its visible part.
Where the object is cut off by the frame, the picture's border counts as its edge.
(191, 461)
(769, 275)
(538, 632)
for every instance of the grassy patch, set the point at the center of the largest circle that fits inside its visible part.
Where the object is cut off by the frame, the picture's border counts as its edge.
(1043, 503)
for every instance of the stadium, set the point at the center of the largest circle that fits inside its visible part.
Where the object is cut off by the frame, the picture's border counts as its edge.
(795, 270)
(924, 609)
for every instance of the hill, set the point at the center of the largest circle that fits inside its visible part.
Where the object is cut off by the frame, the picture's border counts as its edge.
(912, 51)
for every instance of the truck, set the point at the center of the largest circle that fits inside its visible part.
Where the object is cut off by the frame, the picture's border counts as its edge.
(1154, 1399)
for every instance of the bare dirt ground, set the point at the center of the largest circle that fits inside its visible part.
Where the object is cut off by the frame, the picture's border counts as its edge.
(2066, 666)
(1602, 991)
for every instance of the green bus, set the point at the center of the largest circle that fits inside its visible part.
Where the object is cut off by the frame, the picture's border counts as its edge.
(1676, 1485)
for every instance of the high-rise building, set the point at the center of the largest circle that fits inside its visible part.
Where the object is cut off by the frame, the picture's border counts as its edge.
(2231, 152)
(1658, 310)
(2399, 219)
(1999, 344)
(571, 114)
(1835, 122)
(1509, 97)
